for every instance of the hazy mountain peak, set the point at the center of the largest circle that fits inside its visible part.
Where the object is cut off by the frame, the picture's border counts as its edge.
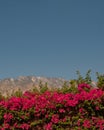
(27, 83)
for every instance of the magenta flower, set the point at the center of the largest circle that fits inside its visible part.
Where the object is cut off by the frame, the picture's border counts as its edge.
(55, 118)
(86, 124)
(61, 110)
(8, 117)
(83, 86)
(48, 126)
(25, 126)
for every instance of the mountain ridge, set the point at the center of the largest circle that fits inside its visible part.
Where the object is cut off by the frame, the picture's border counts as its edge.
(27, 83)
(24, 83)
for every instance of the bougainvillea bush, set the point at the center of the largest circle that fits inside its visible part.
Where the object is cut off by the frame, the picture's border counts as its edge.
(54, 110)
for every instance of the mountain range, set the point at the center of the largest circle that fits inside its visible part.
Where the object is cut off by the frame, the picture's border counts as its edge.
(24, 83)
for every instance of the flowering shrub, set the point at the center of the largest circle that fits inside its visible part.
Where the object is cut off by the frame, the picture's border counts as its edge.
(53, 110)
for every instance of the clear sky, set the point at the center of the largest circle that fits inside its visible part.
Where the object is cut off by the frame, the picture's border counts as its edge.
(51, 38)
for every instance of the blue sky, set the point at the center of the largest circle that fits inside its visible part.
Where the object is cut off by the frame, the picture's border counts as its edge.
(51, 38)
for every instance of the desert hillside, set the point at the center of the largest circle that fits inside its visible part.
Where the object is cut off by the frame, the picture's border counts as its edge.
(24, 83)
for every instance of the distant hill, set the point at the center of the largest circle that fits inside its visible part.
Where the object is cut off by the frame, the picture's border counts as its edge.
(24, 83)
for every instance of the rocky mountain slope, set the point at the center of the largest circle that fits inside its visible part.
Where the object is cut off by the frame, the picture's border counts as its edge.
(24, 83)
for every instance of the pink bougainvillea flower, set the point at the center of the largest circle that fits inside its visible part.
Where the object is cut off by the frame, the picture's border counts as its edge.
(55, 118)
(6, 126)
(61, 110)
(8, 117)
(48, 126)
(25, 126)
(83, 86)
(86, 123)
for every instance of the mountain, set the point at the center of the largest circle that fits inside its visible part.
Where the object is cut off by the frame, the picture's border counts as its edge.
(24, 83)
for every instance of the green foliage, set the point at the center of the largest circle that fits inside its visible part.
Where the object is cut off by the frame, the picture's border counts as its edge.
(86, 79)
(35, 89)
(18, 93)
(43, 87)
(40, 84)
(100, 80)
(2, 111)
(37, 122)
(1, 96)
(68, 87)
(65, 88)
(73, 86)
